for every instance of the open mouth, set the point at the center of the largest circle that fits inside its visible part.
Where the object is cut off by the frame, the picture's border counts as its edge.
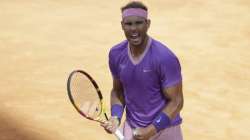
(135, 37)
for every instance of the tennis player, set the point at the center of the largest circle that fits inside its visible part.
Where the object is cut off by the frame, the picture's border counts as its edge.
(147, 82)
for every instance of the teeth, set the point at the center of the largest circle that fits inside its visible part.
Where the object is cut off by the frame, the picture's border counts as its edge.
(135, 35)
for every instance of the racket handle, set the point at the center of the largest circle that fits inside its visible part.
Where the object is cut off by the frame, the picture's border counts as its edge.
(119, 135)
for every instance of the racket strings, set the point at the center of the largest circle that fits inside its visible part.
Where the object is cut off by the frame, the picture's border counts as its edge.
(85, 96)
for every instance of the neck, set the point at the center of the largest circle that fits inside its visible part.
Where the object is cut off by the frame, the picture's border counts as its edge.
(138, 50)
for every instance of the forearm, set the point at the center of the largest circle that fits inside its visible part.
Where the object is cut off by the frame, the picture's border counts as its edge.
(117, 108)
(117, 98)
(174, 107)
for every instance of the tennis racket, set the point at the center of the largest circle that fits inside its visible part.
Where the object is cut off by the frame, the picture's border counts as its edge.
(87, 98)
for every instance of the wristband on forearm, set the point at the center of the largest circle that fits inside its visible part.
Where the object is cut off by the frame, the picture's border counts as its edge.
(161, 122)
(117, 111)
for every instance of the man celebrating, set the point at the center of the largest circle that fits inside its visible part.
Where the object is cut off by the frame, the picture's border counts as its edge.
(147, 82)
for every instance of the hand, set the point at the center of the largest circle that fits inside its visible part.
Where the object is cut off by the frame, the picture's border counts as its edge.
(144, 133)
(111, 125)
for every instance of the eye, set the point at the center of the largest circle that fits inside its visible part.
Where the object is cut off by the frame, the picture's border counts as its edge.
(128, 23)
(139, 22)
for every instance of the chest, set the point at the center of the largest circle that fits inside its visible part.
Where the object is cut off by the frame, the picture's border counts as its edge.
(141, 74)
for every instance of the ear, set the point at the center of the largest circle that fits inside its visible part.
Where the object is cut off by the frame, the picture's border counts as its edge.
(148, 23)
(122, 24)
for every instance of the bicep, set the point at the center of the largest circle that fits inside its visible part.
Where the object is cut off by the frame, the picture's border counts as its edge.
(174, 92)
(175, 96)
(117, 85)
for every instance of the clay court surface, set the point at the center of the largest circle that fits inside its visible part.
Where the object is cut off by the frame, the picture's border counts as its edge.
(41, 42)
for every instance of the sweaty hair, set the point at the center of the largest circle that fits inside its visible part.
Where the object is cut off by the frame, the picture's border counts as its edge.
(134, 4)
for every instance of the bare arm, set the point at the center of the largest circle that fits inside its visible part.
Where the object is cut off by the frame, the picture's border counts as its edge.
(117, 96)
(175, 96)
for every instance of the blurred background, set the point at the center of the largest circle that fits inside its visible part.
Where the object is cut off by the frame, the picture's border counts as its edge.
(41, 42)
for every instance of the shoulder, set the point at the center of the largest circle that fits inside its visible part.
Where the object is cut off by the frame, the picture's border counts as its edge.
(118, 48)
(162, 52)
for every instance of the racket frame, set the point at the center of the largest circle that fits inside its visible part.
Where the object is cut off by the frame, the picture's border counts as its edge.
(98, 91)
(118, 133)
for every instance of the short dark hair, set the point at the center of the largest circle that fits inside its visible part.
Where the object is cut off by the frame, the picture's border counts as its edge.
(134, 4)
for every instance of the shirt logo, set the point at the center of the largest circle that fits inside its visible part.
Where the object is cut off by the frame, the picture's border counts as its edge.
(122, 66)
(146, 70)
(158, 120)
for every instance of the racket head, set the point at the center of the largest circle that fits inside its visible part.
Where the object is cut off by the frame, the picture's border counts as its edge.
(85, 95)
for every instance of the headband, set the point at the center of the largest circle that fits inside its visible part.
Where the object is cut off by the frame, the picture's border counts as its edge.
(135, 12)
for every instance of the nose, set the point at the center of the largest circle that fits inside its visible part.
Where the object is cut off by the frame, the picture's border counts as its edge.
(133, 27)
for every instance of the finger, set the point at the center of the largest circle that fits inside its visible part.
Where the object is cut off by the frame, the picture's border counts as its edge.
(111, 128)
(104, 124)
(108, 127)
(137, 134)
(108, 131)
(134, 132)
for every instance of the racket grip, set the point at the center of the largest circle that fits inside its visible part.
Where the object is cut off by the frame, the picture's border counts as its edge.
(119, 134)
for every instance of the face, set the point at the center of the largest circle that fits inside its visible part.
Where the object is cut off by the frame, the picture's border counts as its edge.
(135, 29)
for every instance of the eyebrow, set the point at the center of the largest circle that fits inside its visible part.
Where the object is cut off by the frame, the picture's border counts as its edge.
(136, 22)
